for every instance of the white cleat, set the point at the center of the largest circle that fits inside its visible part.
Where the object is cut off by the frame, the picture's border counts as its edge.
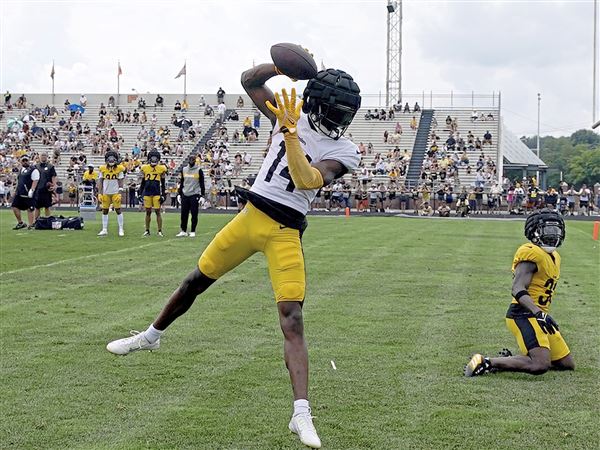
(136, 342)
(103, 233)
(192, 234)
(159, 234)
(121, 232)
(146, 233)
(181, 234)
(302, 425)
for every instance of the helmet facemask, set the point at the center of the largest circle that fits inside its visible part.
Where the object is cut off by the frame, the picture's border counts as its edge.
(545, 229)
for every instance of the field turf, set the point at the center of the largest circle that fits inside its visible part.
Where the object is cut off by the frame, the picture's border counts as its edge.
(398, 304)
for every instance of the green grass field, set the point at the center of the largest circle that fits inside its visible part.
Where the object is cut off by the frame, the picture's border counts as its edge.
(399, 305)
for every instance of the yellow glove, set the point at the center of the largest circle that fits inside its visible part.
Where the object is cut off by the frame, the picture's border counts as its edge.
(303, 174)
(288, 112)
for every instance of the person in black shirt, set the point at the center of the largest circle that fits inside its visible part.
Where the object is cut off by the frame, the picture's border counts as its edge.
(45, 186)
(23, 199)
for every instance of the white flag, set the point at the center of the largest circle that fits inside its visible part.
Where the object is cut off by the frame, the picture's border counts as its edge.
(182, 71)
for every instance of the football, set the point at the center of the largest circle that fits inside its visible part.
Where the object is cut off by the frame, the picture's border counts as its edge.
(294, 61)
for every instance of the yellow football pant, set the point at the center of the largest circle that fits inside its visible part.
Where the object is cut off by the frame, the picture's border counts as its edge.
(253, 231)
(530, 335)
(107, 199)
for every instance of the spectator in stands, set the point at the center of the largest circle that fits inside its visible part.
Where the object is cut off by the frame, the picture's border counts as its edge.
(448, 120)
(202, 102)
(368, 115)
(233, 115)
(83, 100)
(185, 105)
(256, 118)
(406, 108)
(413, 123)
(221, 108)
(417, 108)
(385, 136)
(474, 115)
(487, 138)
(477, 143)
(159, 102)
(240, 102)
(490, 116)
(247, 159)
(382, 114)
(177, 106)
(434, 123)
(141, 103)
(220, 95)
(111, 102)
(585, 195)
(391, 114)
(209, 111)
(7, 98)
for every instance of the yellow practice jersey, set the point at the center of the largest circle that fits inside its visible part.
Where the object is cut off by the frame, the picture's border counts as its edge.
(110, 177)
(87, 176)
(544, 280)
(152, 176)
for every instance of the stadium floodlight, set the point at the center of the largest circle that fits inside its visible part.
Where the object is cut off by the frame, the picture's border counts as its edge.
(393, 82)
(391, 7)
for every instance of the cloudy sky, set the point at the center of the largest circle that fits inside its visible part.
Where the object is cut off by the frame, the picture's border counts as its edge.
(517, 47)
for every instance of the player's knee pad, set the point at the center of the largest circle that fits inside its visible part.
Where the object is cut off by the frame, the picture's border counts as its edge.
(290, 291)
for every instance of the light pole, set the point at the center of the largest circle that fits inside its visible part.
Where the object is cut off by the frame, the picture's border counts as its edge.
(537, 173)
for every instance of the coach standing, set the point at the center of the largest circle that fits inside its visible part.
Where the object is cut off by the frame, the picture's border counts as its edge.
(23, 198)
(45, 186)
(191, 189)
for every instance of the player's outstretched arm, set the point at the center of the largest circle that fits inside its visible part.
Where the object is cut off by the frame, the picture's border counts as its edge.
(253, 81)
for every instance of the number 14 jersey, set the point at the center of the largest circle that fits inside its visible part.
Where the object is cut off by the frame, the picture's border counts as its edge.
(274, 181)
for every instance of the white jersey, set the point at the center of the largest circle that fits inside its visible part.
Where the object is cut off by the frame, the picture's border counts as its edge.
(274, 181)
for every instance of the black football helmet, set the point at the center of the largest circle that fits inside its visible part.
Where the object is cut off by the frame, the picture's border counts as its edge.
(111, 158)
(331, 100)
(154, 157)
(545, 228)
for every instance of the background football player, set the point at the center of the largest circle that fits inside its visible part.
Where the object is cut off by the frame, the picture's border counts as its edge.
(153, 189)
(307, 152)
(110, 187)
(536, 269)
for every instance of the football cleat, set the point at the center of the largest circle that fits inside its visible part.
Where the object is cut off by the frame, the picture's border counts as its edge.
(19, 226)
(103, 233)
(146, 233)
(121, 232)
(192, 234)
(302, 425)
(181, 234)
(136, 342)
(159, 234)
(478, 365)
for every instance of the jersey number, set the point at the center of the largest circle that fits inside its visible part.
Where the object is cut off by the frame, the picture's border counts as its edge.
(111, 176)
(550, 285)
(285, 172)
(152, 177)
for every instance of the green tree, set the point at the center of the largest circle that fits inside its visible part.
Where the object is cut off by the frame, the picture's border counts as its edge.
(585, 167)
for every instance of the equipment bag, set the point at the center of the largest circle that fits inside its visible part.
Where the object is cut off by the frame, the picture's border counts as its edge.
(58, 223)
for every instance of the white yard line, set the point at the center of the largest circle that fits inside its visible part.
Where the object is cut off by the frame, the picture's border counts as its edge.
(79, 258)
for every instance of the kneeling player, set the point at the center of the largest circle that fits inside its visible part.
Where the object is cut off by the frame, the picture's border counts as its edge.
(153, 189)
(110, 189)
(536, 268)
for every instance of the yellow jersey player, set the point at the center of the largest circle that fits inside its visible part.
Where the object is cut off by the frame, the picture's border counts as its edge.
(308, 150)
(110, 187)
(536, 269)
(152, 189)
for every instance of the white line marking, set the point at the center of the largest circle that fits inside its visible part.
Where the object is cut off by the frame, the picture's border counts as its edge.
(78, 258)
(333, 365)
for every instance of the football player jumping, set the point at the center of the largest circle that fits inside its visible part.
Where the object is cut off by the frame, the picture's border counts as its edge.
(153, 189)
(536, 268)
(110, 188)
(308, 151)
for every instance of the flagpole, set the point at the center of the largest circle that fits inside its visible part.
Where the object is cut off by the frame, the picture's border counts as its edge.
(53, 102)
(185, 81)
(118, 82)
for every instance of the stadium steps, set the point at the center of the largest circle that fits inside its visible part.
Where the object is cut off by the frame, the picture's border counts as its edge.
(419, 148)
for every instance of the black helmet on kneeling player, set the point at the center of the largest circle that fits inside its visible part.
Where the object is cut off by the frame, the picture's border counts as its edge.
(331, 100)
(111, 158)
(546, 229)
(154, 157)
